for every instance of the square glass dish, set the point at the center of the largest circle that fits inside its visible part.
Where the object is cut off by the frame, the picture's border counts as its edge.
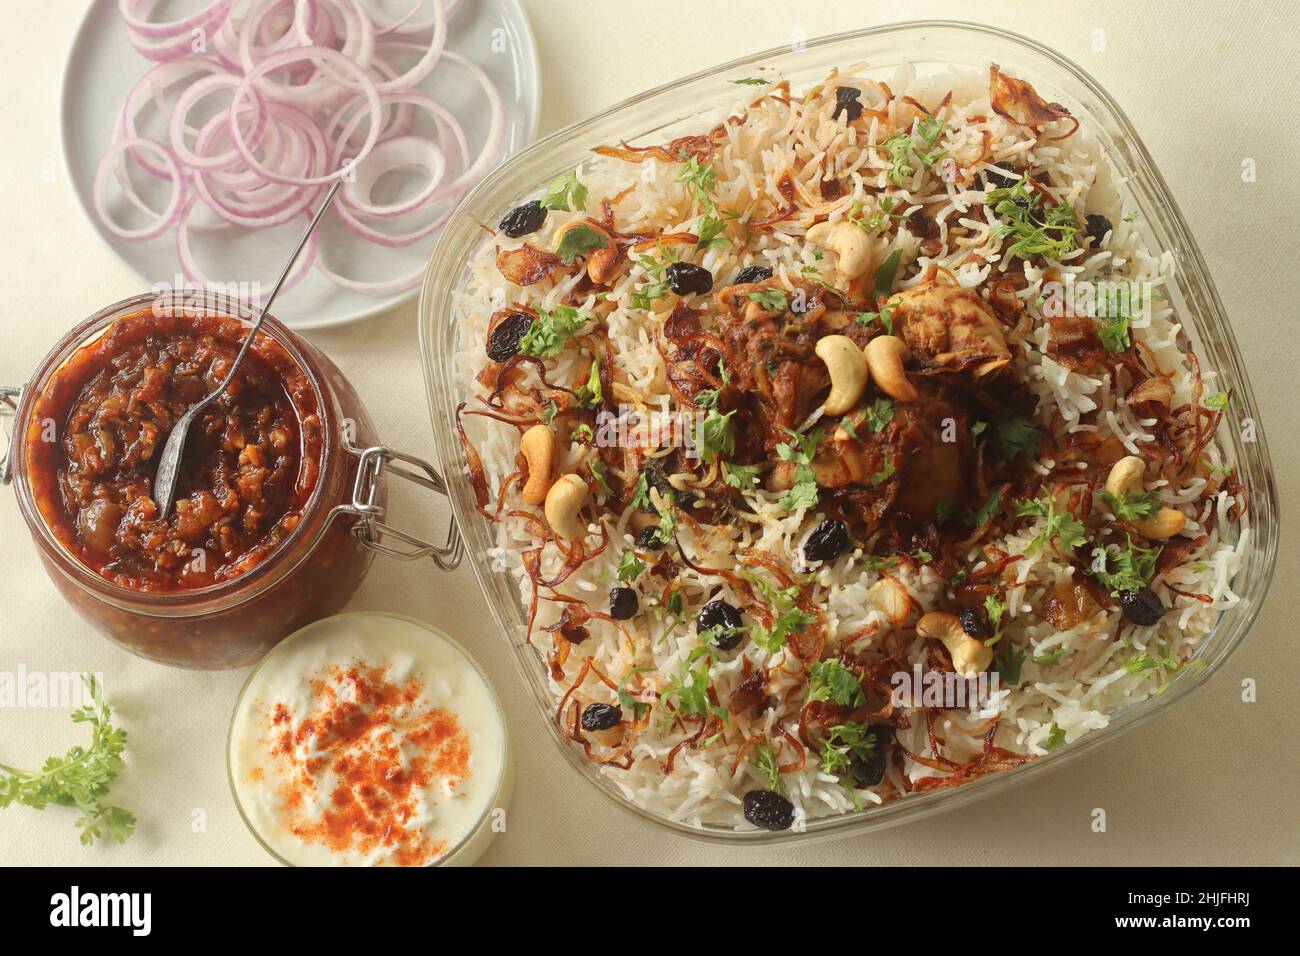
(660, 114)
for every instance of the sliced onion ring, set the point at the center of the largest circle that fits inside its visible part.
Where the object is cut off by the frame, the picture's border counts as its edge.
(168, 217)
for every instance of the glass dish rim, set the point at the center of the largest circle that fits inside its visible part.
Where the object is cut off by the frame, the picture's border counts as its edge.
(435, 313)
(502, 779)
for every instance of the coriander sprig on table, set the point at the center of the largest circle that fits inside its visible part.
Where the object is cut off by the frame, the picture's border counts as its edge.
(80, 777)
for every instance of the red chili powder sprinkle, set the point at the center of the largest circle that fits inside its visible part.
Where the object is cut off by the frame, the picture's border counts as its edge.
(382, 751)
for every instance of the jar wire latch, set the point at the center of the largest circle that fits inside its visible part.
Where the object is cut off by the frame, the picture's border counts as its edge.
(9, 399)
(371, 527)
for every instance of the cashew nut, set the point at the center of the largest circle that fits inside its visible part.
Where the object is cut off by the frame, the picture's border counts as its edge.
(538, 448)
(1125, 478)
(885, 357)
(563, 502)
(847, 367)
(852, 246)
(970, 657)
(601, 263)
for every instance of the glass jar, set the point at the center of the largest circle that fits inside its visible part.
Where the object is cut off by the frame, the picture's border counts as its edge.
(308, 575)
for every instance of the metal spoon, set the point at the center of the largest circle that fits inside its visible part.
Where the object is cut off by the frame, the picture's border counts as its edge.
(164, 481)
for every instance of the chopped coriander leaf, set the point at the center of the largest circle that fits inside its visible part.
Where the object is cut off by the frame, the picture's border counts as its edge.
(995, 608)
(599, 470)
(740, 477)
(1116, 307)
(689, 690)
(641, 493)
(579, 241)
(803, 494)
(1055, 737)
(1140, 664)
(886, 273)
(899, 147)
(698, 179)
(590, 395)
(708, 397)
(1009, 662)
(630, 566)
(930, 129)
(551, 332)
(1219, 401)
(774, 300)
(875, 562)
(831, 681)
(566, 193)
(1013, 435)
(883, 475)
(1130, 569)
(922, 555)
(763, 760)
(750, 81)
(984, 513)
(714, 437)
(846, 744)
(1130, 506)
(1035, 232)
(667, 526)
(979, 428)
(880, 414)
(1051, 657)
(639, 708)
(1064, 527)
(709, 231)
(793, 621)
(645, 296)
(583, 434)
(549, 412)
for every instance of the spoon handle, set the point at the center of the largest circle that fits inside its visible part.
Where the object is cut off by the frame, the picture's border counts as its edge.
(275, 290)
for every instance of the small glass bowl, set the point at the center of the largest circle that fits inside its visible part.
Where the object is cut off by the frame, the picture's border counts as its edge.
(480, 836)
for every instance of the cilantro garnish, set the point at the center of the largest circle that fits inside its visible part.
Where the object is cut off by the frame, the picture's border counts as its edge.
(764, 761)
(1035, 232)
(713, 435)
(1055, 737)
(630, 566)
(846, 744)
(1130, 506)
(803, 494)
(551, 332)
(579, 241)
(880, 414)
(831, 681)
(1009, 662)
(774, 300)
(639, 708)
(984, 513)
(590, 394)
(1130, 569)
(1217, 401)
(1064, 527)
(566, 193)
(1013, 435)
(750, 81)
(886, 272)
(699, 179)
(740, 477)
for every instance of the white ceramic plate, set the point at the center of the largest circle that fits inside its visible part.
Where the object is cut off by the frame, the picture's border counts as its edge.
(102, 67)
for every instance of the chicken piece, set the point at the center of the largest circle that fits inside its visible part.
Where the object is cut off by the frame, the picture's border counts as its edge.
(950, 328)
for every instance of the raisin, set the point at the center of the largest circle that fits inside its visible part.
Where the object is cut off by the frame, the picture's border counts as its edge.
(726, 620)
(503, 341)
(869, 772)
(768, 810)
(847, 102)
(686, 278)
(1095, 228)
(622, 603)
(999, 180)
(1142, 606)
(648, 539)
(827, 542)
(972, 622)
(751, 274)
(601, 717)
(524, 219)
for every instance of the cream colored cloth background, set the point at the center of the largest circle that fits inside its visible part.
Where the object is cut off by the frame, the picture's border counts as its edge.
(1214, 781)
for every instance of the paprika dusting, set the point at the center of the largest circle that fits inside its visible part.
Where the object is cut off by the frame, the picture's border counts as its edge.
(370, 742)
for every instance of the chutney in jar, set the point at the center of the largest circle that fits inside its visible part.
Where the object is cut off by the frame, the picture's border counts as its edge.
(250, 463)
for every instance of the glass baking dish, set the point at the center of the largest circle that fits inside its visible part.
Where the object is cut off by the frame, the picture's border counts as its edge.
(662, 113)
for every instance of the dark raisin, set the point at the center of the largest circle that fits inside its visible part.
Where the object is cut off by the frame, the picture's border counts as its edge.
(1142, 607)
(720, 614)
(686, 278)
(999, 180)
(601, 716)
(648, 539)
(870, 771)
(751, 274)
(827, 542)
(847, 102)
(622, 603)
(972, 622)
(524, 219)
(1096, 227)
(655, 478)
(504, 340)
(768, 810)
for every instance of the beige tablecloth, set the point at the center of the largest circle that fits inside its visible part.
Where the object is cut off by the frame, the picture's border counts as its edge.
(1215, 781)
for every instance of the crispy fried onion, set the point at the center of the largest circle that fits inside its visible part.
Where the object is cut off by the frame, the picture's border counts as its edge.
(1019, 102)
